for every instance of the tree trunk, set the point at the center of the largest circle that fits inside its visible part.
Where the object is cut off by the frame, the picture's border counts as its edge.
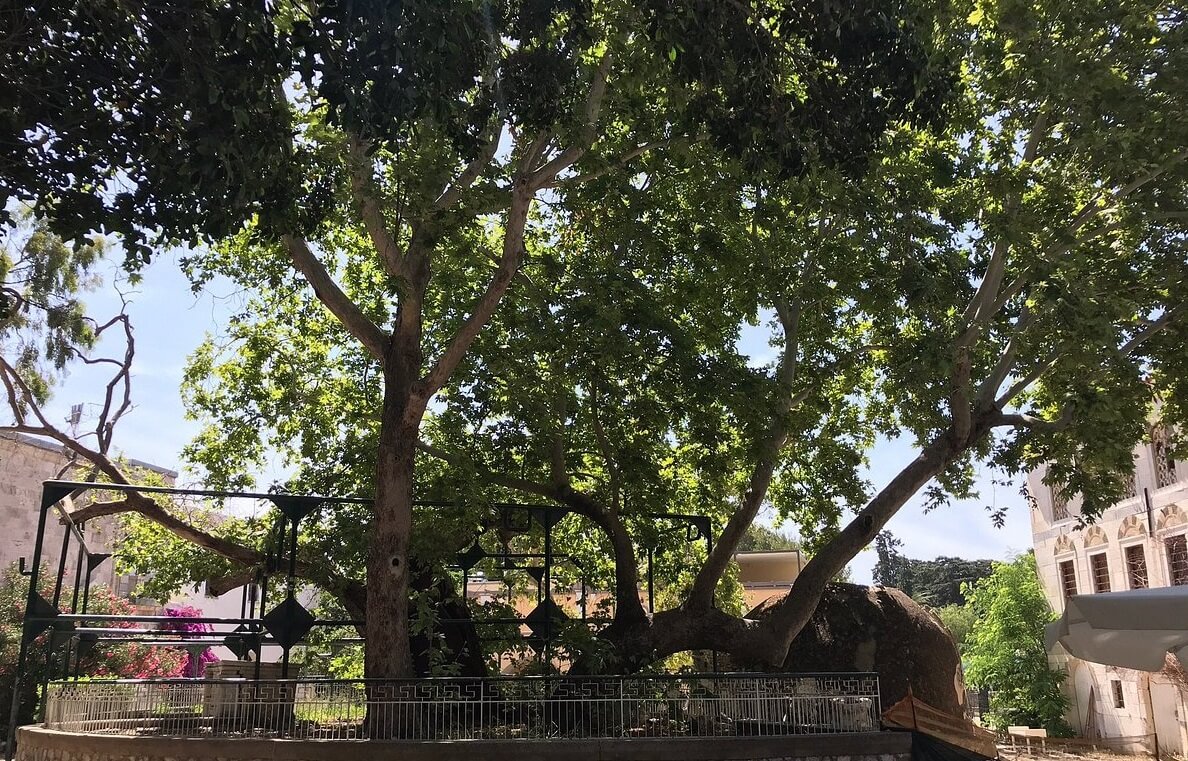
(387, 653)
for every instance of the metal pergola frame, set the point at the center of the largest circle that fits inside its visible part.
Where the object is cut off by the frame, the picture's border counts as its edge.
(287, 624)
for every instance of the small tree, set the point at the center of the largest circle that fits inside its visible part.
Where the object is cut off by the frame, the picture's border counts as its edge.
(1006, 653)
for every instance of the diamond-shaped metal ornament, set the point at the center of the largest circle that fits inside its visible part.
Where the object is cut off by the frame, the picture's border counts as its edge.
(295, 506)
(547, 517)
(96, 559)
(470, 557)
(288, 623)
(544, 618)
(39, 607)
(242, 641)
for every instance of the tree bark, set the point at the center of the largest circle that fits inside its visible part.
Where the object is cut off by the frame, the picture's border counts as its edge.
(775, 636)
(388, 654)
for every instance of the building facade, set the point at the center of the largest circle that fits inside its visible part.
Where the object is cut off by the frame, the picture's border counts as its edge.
(1139, 542)
(25, 462)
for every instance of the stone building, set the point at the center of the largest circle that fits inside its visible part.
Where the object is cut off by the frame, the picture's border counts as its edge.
(1141, 541)
(25, 462)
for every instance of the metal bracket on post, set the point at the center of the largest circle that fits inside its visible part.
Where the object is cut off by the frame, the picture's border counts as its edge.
(52, 493)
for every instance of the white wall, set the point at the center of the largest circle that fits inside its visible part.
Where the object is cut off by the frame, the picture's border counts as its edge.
(1125, 524)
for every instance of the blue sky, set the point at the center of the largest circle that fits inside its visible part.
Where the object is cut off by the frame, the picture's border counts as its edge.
(170, 322)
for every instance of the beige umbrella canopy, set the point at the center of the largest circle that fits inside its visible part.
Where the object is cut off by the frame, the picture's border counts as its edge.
(1133, 629)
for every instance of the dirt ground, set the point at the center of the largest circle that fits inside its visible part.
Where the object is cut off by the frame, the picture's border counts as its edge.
(1007, 753)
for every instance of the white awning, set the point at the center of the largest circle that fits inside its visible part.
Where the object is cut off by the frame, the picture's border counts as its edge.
(1133, 629)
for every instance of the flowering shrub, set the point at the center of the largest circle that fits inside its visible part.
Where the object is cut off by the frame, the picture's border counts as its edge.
(190, 666)
(125, 660)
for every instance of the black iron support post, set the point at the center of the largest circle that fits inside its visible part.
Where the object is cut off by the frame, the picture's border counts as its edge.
(62, 564)
(292, 592)
(78, 564)
(23, 651)
(548, 588)
(651, 584)
(86, 588)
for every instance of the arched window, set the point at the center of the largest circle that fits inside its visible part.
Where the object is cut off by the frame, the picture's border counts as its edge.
(1059, 504)
(1165, 464)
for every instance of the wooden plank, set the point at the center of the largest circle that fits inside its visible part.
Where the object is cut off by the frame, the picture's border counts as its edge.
(913, 714)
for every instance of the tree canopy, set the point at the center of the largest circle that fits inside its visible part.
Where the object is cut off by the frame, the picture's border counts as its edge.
(520, 266)
(938, 583)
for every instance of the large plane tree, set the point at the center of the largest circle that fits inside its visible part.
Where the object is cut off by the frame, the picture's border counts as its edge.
(392, 156)
(1007, 290)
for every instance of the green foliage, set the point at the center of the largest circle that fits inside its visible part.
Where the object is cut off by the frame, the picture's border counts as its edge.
(43, 323)
(215, 141)
(1005, 649)
(760, 538)
(937, 583)
(959, 620)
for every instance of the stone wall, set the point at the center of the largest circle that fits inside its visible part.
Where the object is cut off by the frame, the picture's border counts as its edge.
(25, 462)
(37, 744)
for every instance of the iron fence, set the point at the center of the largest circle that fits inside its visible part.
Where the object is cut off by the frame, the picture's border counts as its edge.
(460, 708)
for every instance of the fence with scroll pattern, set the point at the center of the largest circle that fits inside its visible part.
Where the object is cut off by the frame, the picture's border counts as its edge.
(463, 708)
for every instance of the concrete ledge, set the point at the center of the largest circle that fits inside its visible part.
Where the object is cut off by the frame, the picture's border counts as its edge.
(38, 744)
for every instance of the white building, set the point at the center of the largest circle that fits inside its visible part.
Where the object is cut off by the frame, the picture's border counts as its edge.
(1138, 542)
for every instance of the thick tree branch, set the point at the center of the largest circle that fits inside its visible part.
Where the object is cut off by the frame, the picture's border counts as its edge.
(620, 161)
(1151, 328)
(474, 169)
(979, 309)
(374, 340)
(1033, 423)
(959, 401)
(566, 158)
(484, 308)
(775, 633)
(348, 591)
(701, 594)
(1006, 361)
(559, 474)
(1037, 372)
(604, 448)
(364, 192)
